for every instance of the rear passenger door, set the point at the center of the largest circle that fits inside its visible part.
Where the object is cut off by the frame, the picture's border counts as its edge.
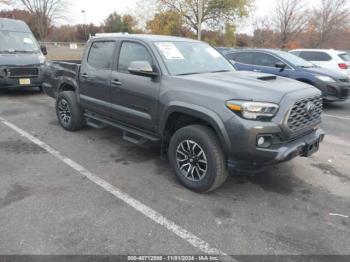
(134, 97)
(94, 77)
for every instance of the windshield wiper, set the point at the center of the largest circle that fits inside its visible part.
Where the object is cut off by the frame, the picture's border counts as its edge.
(221, 71)
(193, 73)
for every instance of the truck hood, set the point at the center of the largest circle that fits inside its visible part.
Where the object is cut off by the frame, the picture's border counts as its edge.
(250, 86)
(21, 59)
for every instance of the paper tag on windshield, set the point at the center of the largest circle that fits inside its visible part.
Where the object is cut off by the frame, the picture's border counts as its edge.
(170, 51)
(213, 52)
(27, 41)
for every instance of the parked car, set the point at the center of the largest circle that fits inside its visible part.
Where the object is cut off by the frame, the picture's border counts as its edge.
(184, 95)
(21, 57)
(334, 86)
(326, 58)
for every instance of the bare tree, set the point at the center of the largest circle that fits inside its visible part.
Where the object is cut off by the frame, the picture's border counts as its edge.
(331, 17)
(46, 13)
(290, 19)
(264, 35)
(214, 13)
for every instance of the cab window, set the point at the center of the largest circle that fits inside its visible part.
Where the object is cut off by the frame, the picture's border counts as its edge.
(101, 54)
(131, 52)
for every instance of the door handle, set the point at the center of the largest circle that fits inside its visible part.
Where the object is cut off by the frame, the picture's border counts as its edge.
(116, 82)
(85, 75)
(257, 70)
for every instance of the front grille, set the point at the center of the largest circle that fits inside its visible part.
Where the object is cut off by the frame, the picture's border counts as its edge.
(344, 93)
(18, 72)
(305, 113)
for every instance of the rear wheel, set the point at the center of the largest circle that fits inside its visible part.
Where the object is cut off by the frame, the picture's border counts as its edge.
(197, 158)
(69, 113)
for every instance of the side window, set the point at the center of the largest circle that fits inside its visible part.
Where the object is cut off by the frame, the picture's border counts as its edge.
(245, 58)
(261, 59)
(131, 52)
(101, 54)
(315, 56)
(232, 56)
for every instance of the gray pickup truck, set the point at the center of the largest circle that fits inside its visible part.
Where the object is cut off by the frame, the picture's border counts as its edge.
(183, 94)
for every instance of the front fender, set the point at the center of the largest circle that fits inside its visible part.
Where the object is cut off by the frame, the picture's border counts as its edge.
(198, 112)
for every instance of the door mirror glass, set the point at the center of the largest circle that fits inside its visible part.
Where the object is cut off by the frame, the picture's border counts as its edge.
(142, 68)
(281, 65)
(43, 49)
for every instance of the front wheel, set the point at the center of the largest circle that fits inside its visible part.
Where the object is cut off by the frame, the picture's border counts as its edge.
(69, 113)
(197, 158)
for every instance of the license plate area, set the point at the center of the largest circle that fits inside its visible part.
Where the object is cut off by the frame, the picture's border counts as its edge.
(24, 81)
(311, 148)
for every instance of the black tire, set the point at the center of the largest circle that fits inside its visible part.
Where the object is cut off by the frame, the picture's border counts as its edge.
(76, 121)
(216, 168)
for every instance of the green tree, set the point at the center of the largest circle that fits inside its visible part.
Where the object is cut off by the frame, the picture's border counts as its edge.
(166, 23)
(230, 35)
(215, 13)
(116, 23)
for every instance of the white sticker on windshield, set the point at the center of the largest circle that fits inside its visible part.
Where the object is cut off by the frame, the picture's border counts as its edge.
(27, 41)
(213, 52)
(170, 51)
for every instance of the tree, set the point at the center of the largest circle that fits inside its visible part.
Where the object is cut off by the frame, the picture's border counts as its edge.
(46, 12)
(216, 13)
(166, 23)
(230, 36)
(116, 23)
(290, 19)
(264, 35)
(329, 18)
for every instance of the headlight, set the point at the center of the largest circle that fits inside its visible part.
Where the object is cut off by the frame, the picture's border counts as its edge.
(326, 79)
(253, 110)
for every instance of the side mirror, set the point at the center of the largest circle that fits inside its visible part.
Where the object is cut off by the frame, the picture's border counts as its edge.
(281, 66)
(43, 49)
(141, 68)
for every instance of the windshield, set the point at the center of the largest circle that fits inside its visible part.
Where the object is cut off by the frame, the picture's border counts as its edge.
(11, 42)
(185, 58)
(296, 60)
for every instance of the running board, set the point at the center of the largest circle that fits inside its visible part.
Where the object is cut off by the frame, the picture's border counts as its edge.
(132, 135)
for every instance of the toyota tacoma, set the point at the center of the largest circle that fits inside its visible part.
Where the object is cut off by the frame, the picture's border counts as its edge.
(208, 118)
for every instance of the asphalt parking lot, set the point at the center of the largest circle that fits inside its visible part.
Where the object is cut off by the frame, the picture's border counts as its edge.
(81, 197)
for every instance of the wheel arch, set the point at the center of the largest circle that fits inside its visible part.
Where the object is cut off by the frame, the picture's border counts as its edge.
(200, 115)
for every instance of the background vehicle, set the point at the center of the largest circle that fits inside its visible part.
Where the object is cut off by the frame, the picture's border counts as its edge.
(185, 95)
(334, 86)
(326, 58)
(21, 58)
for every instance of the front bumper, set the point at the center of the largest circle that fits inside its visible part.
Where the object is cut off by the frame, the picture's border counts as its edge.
(333, 92)
(13, 83)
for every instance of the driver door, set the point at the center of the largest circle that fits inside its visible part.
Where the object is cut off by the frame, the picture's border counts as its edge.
(134, 98)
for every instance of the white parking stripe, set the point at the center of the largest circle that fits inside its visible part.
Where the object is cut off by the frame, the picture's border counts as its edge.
(145, 210)
(338, 117)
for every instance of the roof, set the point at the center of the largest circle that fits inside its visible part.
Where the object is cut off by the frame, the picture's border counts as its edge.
(7, 24)
(257, 50)
(318, 50)
(145, 37)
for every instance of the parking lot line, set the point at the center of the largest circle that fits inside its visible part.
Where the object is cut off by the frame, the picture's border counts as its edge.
(338, 117)
(139, 206)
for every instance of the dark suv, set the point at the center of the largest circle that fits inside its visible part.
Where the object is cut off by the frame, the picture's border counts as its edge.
(184, 95)
(334, 86)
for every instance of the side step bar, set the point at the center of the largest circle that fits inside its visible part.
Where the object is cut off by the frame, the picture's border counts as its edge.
(131, 135)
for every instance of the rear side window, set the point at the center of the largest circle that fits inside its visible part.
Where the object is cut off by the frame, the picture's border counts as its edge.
(245, 58)
(101, 55)
(345, 57)
(131, 52)
(315, 56)
(232, 56)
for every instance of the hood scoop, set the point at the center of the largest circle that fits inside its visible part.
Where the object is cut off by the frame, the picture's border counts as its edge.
(267, 78)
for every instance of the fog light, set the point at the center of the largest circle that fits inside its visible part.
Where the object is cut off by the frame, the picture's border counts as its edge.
(264, 141)
(261, 141)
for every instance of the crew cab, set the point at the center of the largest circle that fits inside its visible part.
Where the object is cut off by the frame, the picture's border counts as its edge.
(208, 118)
(21, 57)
